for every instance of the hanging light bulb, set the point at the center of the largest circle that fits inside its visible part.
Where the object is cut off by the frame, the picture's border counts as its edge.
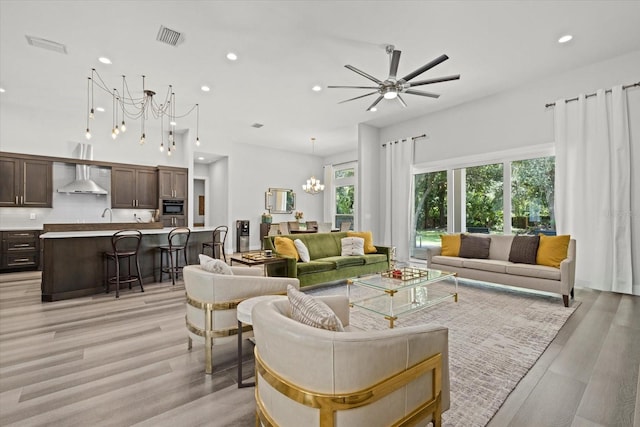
(162, 147)
(197, 125)
(92, 114)
(142, 139)
(168, 151)
(116, 130)
(114, 135)
(123, 127)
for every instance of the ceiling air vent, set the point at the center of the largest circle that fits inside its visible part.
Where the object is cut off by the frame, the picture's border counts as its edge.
(257, 125)
(169, 36)
(46, 44)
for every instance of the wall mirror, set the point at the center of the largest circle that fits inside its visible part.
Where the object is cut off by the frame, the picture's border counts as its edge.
(280, 200)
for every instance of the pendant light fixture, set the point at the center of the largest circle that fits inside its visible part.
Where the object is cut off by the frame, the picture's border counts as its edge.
(124, 104)
(313, 185)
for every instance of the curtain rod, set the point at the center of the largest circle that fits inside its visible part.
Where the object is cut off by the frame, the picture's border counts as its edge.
(552, 104)
(413, 138)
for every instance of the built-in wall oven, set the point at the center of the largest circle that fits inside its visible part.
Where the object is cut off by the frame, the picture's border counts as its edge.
(173, 207)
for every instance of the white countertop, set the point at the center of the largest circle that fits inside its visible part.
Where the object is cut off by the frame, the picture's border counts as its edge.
(21, 228)
(107, 233)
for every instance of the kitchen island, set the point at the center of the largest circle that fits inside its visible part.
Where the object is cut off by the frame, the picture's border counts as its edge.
(74, 265)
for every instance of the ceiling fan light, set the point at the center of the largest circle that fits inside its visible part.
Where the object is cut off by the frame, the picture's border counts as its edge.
(390, 94)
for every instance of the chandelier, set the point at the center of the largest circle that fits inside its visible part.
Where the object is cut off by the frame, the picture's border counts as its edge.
(125, 106)
(313, 185)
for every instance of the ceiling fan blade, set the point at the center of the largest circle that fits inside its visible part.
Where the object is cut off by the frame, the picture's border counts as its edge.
(404, 104)
(380, 98)
(417, 92)
(425, 67)
(352, 87)
(362, 73)
(436, 80)
(393, 66)
(357, 97)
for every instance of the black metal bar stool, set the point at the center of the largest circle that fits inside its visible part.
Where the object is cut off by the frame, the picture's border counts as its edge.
(125, 245)
(217, 245)
(178, 241)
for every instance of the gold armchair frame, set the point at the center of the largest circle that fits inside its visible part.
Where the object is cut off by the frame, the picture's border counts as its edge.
(329, 404)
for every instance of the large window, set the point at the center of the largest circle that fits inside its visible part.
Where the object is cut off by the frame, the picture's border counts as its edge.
(484, 198)
(344, 180)
(532, 195)
(511, 196)
(430, 207)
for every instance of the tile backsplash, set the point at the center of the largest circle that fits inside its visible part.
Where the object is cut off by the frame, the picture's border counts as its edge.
(72, 208)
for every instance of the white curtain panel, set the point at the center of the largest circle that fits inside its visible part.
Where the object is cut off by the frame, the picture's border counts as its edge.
(593, 188)
(329, 197)
(396, 203)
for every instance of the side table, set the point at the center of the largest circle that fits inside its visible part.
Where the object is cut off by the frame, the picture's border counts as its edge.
(243, 313)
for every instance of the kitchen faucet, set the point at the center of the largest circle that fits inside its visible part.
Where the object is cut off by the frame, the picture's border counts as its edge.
(110, 214)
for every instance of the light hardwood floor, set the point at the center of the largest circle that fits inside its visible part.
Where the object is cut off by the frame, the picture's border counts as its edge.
(102, 361)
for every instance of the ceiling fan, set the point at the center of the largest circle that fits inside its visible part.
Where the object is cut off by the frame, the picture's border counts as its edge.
(392, 87)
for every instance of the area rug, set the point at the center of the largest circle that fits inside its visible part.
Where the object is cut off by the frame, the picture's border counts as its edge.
(495, 336)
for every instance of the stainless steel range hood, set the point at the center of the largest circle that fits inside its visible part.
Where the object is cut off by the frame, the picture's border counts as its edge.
(83, 184)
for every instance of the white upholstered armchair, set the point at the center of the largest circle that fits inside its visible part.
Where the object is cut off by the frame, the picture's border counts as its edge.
(212, 300)
(313, 377)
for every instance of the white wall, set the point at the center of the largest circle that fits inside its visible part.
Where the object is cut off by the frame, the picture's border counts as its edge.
(253, 170)
(237, 182)
(369, 181)
(510, 119)
(514, 119)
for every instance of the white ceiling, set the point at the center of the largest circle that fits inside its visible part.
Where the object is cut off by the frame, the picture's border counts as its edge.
(286, 47)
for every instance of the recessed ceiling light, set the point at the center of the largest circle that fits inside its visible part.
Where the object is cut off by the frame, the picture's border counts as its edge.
(2, 90)
(200, 158)
(373, 109)
(104, 60)
(232, 56)
(316, 88)
(205, 88)
(100, 109)
(565, 38)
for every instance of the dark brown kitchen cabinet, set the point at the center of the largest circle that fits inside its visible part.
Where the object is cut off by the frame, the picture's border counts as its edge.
(20, 250)
(174, 221)
(172, 183)
(135, 188)
(25, 182)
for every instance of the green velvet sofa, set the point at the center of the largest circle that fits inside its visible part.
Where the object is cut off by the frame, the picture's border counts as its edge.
(327, 264)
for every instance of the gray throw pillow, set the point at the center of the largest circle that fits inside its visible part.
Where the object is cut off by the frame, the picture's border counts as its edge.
(310, 311)
(474, 246)
(524, 249)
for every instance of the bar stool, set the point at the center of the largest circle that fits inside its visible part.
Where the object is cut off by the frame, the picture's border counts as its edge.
(178, 240)
(217, 245)
(125, 244)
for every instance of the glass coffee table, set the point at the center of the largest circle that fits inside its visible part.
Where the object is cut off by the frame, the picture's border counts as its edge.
(402, 291)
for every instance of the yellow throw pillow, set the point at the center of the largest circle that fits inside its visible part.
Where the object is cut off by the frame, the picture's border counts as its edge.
(552, 250)
(450, 244)
(285, 247)
(369, 247)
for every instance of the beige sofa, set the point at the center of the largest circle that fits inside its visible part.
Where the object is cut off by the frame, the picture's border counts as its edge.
(353, 378)
(498, 269)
